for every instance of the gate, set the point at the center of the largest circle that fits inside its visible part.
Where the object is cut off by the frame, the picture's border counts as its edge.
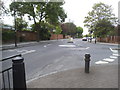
(14, 76)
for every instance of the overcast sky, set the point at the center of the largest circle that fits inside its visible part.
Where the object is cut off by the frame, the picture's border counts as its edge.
(77, 9)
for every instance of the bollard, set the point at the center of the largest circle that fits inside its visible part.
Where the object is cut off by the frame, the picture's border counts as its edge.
(19, 80)
(87, 63)
(95, 40)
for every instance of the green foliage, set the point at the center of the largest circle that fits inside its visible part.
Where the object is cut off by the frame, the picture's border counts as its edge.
(44, 30)
(50, 12)
(69, 29)
(103, 28)
(8, 35)
(3, 8)
(100, 15)
(58, 30)
(21, 24)
(79, 32)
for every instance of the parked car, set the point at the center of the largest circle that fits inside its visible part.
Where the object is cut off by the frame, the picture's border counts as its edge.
(84, 39)
(70, 40)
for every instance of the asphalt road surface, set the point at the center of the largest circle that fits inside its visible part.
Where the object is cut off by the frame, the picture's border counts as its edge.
(58, 55)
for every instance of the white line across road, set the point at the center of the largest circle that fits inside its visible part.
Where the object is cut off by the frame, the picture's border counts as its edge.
(67, 45)
(27, 52)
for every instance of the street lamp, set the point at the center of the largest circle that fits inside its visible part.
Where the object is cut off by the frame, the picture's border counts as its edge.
(15, 27)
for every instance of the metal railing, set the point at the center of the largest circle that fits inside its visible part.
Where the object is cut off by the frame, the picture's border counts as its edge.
(17, 73)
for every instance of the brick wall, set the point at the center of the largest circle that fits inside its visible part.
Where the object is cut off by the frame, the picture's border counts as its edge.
(110, 39)
(56, 36)
(26, 36)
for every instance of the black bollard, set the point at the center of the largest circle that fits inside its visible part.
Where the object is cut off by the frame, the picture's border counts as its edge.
(87, 63)
(19, 80)
(95, 40)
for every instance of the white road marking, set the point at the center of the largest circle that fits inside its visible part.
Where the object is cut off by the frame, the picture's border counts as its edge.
(87, 47)
(31, 51)
(114, 51)
(47, 45)
(41, 76)
(116, 55)
(113, 57)
(101, 62)
(67, 45)
(109, 59)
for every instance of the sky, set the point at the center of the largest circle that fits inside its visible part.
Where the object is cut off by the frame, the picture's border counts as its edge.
(77, 10)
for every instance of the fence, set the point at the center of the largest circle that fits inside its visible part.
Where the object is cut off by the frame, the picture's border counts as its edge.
(14, 76)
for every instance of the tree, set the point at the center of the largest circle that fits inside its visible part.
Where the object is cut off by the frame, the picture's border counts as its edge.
(101, 13)
(3, 9)
(50, 12)
(103, 28)
(79, 31)
(58, 30)
(21, 24)
(69, 29)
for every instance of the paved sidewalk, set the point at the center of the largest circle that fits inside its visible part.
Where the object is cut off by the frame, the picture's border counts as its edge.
(100, 76)
(22, 44)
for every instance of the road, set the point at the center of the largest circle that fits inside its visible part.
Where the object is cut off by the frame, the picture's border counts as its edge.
(58, 55)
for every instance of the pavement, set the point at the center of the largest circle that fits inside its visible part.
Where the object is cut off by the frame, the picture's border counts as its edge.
(100, 76)
(19, 45)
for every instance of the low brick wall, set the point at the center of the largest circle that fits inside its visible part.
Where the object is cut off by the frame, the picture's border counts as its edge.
(110, 39)
(26, 36)
(56, 36)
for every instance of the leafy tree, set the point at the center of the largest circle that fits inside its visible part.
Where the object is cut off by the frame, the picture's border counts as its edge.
(44, 32)
(79, 31)
(58, 30)
(101, 13)
(69, 29)
(50, 12)
(21, 24)
(103, 28)
(3, 9)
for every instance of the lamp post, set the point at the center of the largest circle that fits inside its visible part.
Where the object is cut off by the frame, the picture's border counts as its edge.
(15, 27)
